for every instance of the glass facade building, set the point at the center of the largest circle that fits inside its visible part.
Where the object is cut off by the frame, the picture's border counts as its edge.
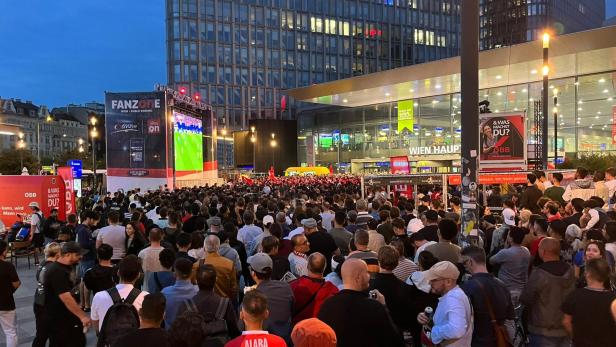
(508, 22)
(363, 136)
(239, 55)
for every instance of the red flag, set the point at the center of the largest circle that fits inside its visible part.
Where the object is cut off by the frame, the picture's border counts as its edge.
(331, 169)
(272, 175)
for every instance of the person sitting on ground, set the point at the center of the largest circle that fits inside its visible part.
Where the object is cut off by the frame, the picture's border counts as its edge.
(161, 279)
(150, 318)
(254, 312)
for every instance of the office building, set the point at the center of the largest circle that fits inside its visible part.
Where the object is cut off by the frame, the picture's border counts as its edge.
(239, 55)
(508, 22)
(357, 127)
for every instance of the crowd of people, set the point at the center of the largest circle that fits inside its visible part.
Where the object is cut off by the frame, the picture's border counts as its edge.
(306, 261)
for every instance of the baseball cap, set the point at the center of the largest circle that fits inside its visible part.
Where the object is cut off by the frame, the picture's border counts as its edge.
(442, 269)
(509, 216)
(260, 261)
(309, 223)
(414, 225)
(214, 221)
(72, 247)
(419, 236)
(313, 332)
(268, 220)
(34, 204)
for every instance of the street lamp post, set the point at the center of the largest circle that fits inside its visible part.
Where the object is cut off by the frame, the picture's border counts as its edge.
(273, 144)
(93, 135)
(253, 139)
(544, 101)
(21, 146)
(555, 126)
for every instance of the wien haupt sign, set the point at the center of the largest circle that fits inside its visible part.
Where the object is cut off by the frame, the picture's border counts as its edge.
(445, 149)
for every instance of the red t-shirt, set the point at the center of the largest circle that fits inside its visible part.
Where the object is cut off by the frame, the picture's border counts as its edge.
(256, 338)
(534, 246)
(304, 289)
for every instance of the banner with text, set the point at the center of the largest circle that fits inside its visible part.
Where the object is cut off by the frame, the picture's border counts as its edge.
(406, 115)
(66, 172)
(502, 140)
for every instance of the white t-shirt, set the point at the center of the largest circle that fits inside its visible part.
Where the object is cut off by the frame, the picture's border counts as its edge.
(102, 302)
(35, 222)
(114, 236)
(149, 259)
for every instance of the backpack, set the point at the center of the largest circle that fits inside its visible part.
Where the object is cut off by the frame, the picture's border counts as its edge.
(42, 222)
(216, 330)
(120, 319)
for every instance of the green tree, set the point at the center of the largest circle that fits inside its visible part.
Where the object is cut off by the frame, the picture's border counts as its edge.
(11, 159)
(592, 162)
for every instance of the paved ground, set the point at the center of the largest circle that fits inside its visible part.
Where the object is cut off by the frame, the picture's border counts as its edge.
(24, 297)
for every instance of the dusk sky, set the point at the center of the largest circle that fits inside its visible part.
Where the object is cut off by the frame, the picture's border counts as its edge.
(55, 53)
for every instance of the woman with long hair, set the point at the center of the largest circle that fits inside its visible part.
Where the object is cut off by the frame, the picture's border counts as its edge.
(135, 241)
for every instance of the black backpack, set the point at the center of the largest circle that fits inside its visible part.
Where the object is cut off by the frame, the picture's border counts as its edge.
(216, 330)
(121, 318)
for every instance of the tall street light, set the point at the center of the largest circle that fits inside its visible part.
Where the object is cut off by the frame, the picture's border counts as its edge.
(93, 136)
(273, 144)
(555, 111)
(38, 136)
(21, 145)
(253, 139)
(544, 101)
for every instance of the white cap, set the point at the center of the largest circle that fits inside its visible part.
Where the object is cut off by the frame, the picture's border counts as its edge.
(268, 219)
(414, 225)
(509, 216)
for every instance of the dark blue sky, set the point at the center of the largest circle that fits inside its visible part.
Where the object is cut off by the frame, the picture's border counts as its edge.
(71, 51)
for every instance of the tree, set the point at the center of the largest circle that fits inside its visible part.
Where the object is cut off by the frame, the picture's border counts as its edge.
(11, 159)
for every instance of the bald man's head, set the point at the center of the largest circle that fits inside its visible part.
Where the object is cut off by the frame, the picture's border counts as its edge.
(355, 275)
(317, 263)
(549, 249)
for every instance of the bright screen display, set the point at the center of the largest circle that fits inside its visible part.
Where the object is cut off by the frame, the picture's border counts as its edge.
(187, 142)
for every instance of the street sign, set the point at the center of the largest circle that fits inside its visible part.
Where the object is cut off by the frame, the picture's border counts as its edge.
(77, 166)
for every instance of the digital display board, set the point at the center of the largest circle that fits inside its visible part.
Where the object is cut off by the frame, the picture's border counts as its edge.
(187, 142)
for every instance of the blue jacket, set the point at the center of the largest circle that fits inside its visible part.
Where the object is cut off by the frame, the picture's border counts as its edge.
(176, 295)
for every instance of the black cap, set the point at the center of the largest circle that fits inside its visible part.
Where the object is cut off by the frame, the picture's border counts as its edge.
(72, 247)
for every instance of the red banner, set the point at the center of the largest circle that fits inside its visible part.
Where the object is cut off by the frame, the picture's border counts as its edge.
(517, 178)
(502, 140)
(19, 191)
(399, 165)
(67, 175)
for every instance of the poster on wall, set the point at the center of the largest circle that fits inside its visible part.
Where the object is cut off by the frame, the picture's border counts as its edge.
(66, 172)
(20, 191)
(135, 131)
(399, 165)
(502, 140)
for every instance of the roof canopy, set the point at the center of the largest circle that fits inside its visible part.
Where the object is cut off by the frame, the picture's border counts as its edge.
(581, 53)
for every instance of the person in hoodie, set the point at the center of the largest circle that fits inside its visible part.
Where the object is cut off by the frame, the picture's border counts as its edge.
(582, 187)
(548, 286)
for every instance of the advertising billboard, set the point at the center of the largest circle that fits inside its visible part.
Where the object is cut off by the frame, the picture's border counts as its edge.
(20, 191)
(187, 143)
(135, 131)
(66, 172)
(502, 140)
(399, 165)
(406, 115)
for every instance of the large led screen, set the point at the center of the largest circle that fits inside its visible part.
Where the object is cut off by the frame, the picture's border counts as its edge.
(187, 142)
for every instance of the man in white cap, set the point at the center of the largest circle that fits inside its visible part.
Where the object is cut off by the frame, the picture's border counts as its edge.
(452, 324)
(36, 224)
(268, 220)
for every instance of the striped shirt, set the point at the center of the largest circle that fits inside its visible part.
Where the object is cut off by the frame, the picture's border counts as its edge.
(404, 269)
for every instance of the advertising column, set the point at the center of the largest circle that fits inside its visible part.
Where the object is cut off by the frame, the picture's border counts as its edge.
(136, 141)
